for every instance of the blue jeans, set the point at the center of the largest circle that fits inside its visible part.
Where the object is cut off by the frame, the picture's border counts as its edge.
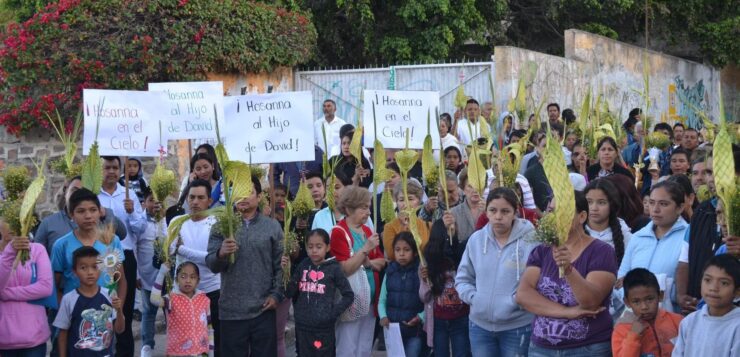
(38, 351)
(601, 349)
(486, 343)
(453, 332)
(148, 316)
(412, 346)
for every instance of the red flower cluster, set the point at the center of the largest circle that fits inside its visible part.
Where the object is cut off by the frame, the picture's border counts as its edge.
(47, 61)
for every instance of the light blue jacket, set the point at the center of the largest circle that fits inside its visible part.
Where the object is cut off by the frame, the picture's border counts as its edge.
(659, 256)
(488, 277)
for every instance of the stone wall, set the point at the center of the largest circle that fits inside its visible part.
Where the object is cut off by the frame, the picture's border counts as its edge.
(44, 143)
(40, 144)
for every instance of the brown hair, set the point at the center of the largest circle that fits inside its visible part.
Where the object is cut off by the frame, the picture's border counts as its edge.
(351, 199)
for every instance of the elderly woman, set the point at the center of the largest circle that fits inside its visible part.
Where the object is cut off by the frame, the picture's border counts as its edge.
(355, 246)
(571, 311)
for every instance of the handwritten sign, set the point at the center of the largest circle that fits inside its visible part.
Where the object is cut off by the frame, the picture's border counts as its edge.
(127, 122)
(397, 111)
(190, 109)
(269, 128)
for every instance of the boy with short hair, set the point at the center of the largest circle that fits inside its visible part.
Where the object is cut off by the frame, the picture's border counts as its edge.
(648, 330)
(88, 317)
(84, 208)
(713, 330)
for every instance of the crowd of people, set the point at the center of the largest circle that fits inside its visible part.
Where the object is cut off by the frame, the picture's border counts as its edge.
(648, 268)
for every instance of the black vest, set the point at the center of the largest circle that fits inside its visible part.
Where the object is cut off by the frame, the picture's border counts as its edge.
(703, 243)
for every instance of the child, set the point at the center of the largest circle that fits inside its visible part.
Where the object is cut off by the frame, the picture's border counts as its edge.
(136, 180)
(399, 294)
(649, 330)
(444, 311)
(145, 254)
(88, 316)
(84, 209)
(189, 331)
(713, 330)
(314, 286)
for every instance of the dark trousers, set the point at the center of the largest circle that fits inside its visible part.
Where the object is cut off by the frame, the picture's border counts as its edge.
(215, 322)
(316, 343)
(38, 351)
(125, 340)
(255, 337)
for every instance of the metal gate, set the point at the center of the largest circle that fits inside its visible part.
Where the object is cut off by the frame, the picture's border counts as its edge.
(345, 86)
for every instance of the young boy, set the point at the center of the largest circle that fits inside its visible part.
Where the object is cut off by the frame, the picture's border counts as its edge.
(88, 316)
(84, 208)
(147, 272)
(649, 331)
(713, 330)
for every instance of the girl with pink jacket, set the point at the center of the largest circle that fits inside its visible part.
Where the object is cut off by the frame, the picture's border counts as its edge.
(23, 326)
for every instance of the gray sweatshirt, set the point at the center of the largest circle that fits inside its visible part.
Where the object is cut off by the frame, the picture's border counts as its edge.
(703, 335)
(256, 272)
(488, 277)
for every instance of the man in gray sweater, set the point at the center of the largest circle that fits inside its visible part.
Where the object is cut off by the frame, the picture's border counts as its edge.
(251, 287)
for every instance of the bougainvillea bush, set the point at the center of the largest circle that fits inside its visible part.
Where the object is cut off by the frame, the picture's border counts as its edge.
(46, 61)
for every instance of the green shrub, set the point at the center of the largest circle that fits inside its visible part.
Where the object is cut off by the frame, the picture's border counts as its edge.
(124, 44)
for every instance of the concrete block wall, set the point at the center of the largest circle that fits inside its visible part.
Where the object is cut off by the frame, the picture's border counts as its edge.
(614, 69)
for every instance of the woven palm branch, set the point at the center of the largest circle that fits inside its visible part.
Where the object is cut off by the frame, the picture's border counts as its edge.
(163, 183)
(26, 217)
(724, 172)
(303, 203)
(429, 167)
(237, 177)
(387, 210)
(557, 176)
(16, 180)
(414, 229)
(658, 140)
(355, 146)
(92, 170)
(290, 241)
(460, 98)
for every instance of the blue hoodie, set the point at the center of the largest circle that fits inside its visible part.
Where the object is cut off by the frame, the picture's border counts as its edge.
(488, 277)
(659, 256)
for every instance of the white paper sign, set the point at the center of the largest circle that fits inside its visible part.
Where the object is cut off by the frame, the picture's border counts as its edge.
(397, 111)
(128, 121)
(269, 128)
(393, 341)
(190, 109)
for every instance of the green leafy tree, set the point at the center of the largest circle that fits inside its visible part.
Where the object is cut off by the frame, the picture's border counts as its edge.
(375, 31)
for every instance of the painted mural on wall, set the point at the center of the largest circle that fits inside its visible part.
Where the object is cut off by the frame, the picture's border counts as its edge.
(691, 98)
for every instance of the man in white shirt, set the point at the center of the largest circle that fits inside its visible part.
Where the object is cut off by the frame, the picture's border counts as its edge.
(478, 126)
(331, 123)
(112, 196)
(192, 246)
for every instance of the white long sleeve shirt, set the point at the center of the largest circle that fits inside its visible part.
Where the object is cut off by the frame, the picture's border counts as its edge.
(135, 222)
(194, 248)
